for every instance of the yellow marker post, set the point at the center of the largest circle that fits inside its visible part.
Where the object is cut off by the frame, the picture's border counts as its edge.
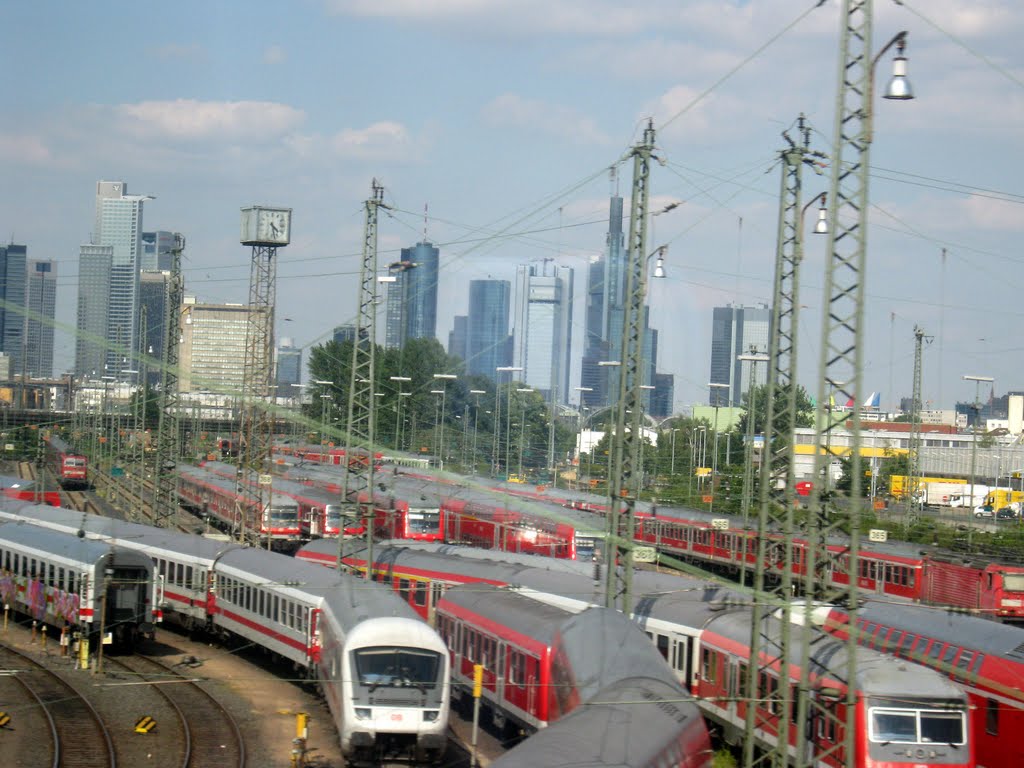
(300, 740)
(478, 688)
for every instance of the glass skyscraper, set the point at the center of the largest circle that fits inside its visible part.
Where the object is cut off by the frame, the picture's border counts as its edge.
(543, 327)
(13, 265)
(737, 330)
(412, 298)
(487, 344)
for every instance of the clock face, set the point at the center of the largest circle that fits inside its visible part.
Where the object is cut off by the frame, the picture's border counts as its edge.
(272, 226)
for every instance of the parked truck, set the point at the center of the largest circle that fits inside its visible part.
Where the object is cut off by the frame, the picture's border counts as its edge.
(964, 499)
(941, 492)
(998, 498)
(898, 486)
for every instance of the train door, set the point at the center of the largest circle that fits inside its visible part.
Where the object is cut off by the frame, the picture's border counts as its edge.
(501, 673)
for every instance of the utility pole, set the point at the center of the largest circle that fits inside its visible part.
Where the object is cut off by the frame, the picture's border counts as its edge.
(358, 478)
(773, 569)
(166, 453)
(841, 366)
(914, 446)
(624, 471)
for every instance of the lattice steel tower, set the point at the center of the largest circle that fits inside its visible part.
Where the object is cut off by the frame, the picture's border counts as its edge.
(265, 229)
(624, 477)
(167, 453)
(914, 444)
(361, 417)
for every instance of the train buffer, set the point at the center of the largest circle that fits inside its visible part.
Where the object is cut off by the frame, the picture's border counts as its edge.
(145, 725)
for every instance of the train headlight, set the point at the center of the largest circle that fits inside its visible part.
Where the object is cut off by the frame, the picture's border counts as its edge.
(431, 715)
(364, 713)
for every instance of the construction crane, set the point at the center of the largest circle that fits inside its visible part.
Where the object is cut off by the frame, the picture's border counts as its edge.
(358, 477)
(167, 450)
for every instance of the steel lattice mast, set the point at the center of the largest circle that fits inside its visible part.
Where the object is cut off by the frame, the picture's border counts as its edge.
(624, 477)
(167, 452)
(773, 570)
(914, 447)
(360, 431)
(256, 429)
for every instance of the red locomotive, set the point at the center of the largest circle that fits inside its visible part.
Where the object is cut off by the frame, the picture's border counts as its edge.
(70, 466)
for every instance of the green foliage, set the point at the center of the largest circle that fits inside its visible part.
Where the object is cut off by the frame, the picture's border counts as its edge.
(804, 408)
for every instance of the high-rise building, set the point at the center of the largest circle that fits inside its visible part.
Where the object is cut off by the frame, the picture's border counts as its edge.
(542, 327)
(212, 347)
(343, 333)
(605, 318)
(488, 343)
(412, 297)
(737, 330)
(157, 249)
(41, 298)
(108, 282)
(153, 286)
(289, 368)
(458, 339)
(13, 264)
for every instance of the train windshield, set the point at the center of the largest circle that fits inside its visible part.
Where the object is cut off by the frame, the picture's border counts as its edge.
(334, 513)
(1013, 582)
(424, 520)
(74, 461)
(397, 667)
(917, 726)
(283, 514)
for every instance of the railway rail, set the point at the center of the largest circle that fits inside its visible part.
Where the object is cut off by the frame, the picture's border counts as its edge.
(196, 730)
(78, 735)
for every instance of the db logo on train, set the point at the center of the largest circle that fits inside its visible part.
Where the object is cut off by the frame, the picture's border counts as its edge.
(396, 716)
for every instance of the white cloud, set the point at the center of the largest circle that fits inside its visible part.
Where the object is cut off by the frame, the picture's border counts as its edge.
(989, 214)
(189, 119)
(380, 139)
(21, 148)
(515, 111)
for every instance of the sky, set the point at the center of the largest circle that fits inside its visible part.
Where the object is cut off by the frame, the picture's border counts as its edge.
(502, 119)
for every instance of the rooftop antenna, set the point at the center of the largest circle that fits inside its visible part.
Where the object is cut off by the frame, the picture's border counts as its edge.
(613, 178)
(425, 223)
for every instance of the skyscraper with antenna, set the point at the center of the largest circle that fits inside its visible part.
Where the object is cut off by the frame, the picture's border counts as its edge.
(411, 301)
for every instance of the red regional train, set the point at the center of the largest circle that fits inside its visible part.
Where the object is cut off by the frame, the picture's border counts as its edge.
(70, 467)
(907, 715)
(229, 508)
(984, 659)
(977, 584)
(320, 512)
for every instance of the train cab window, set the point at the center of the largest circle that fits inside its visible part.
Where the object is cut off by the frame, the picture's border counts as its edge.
(992, 717)
(420, 596)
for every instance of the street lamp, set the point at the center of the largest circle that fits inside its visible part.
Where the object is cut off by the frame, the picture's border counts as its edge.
(510, 369)
(714, 459)
(476, 417)
(444, 377)
(522, 427)
(974, 446)
(398, 409)
(748, 453)
(579, 428)
(672, 471)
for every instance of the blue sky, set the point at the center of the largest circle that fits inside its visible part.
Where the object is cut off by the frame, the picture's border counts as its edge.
(503, 116)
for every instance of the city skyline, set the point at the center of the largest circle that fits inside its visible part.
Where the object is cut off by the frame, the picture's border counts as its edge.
(219, 110)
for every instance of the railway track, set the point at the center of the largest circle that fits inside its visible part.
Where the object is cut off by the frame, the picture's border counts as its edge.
(194, 729)
(78, 736)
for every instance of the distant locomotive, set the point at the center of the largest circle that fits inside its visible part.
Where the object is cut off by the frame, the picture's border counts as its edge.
(70, 466)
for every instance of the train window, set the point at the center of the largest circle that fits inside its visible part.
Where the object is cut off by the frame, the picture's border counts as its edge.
(662, 643)
(708, 665)
(60, 578)
(895, 640)
(992, 717)
(420, 596)
(964, 662)
(436, 590)
(949, 654)
(304, 617)
(976, 663)
(188, 576)
(275, 616)
(33, 568)
(262, 603)
(917, 650)
(403, 589)
(51, 575)
(741, 681)
(513, 662)
(935, 650)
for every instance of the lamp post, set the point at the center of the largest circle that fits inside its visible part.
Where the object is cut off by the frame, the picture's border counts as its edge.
(672, 470)
(444, 378)
(974, 447)
(714, 458)
(522, 426)
(398, 408)
(510, 369)
(476, 417)
(579, 433)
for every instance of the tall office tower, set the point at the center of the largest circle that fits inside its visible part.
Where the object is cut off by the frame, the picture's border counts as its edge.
(212, 347)
(157, 248)
(13, 263)
(606, 316)
(488, 338)
(153, 286)
(412, 298)
(736, 330)
(41, 298)
(108, 283)
(543, 327)
(458, 339)
(289, 368)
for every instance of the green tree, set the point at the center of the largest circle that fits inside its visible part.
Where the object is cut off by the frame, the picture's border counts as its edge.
(804, 408)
